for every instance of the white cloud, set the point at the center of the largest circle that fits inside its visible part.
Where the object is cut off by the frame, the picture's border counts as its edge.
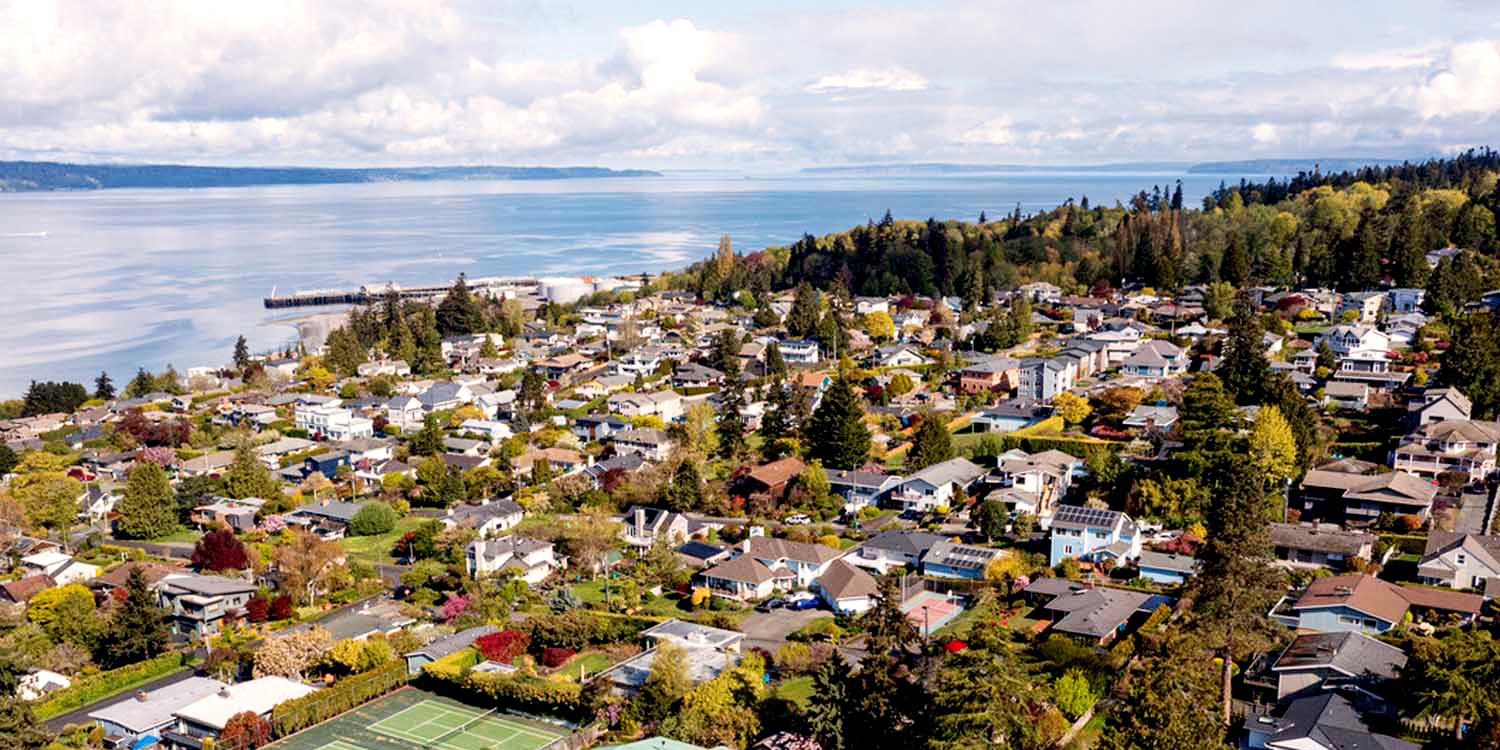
(860, 79)
(1468, 83)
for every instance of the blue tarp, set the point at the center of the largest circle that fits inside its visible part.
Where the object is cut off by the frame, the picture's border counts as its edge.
(146, 741)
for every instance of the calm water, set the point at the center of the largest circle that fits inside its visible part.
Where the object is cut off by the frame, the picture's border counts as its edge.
(114, 280)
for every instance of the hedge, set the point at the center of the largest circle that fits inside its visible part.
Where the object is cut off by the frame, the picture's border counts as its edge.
(97, 687)
(1408, 545)
(556, 696)
(318, 707)
(577, 630)
(1078, 447)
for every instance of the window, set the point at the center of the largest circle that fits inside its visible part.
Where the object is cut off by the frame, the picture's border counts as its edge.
(1068, 549)
(1349, 620)
(1461, 560)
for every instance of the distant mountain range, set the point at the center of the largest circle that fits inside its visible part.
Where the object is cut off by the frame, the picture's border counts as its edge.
(16, 176)
(1248, 167)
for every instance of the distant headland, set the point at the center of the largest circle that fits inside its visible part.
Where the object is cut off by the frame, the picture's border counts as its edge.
(19, 176)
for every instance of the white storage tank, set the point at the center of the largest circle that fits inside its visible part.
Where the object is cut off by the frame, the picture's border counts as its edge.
(565, 290)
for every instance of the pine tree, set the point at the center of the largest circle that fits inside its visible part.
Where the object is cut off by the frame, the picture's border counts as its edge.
(149, 508)
(345, 353)
(731, 423)
(1244, 367)
(459, 313)
(241, 353)
(1235, 265)
(17, 721)
(827, 704)
(140, 385)
(137, 631)
(248, 477)
(802, 320)
(1327, 360)
(775, 363)
(488, 350)
(685, 492)
(104, 388)
(931, 444)
(1167, 705)
(836, 432)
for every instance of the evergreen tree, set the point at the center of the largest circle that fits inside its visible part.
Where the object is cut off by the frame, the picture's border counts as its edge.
(1368, 245)
(459, 313)
(802, 320)
(248, 477)
(241, 353)
(731, 423)
(104, 388)
(765, 317)
(827, 704)
(685, 492)
(1244, 367)
(1472, 363)
(889, 702)
(725, 355)
(345, 353)
(17, 721)
(149, 508)
(931, 444)
(836, 432)
(986, 699)
(1409, 245)
(488, 350)
(886, 626)
(1168, 704)
(140, 385)
(1235, 265)
(775, 363)
(1327, 360)
(137, 631)
(429, 440)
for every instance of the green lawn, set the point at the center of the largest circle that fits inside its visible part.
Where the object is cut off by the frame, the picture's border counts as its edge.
(592, 592)
(797, 690)
(182, 535)
(377, 549)
(591, 662)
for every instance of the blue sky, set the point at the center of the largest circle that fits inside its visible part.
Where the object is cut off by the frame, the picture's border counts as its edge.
(761, 86)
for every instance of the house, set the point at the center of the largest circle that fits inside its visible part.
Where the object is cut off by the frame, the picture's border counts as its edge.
(650, 444)
(332, 423)
(1346, 394)
(1345, 340)
(487, 518)
(845, 588)
(1166, 568)
(1093, 615)
(664, 404)
(900, 355)
(598, 427)
(770, 480)
(1466, 446)
(149, 714)
(563, 366)
(1155, 359)
(1092, 534)
(707, 651)
(21, 590)
(327, 463)
(1404, 300)
(531, 560)
(37, 683)
(746, 579)
(1043, 379)
(1460, 561)
(943, 484)
(602, 473)
(374, 617)
(692, 635)
(206, 717)
(117, 579)
(890, 550)
(1315, 545)
(208, 464)
(328, 519)
(1044, 477)
(197, 603)
(97, 502)
(948, 559)
(1438, 405)
(988, 375)
(1359, 499)
(861, 489)
(799, 352)
(1009, 416)
(238, 515)
(1322, 722)
(560, 461)
(1366, 604)
(61, 568)
(1151, 416)
(404, 411)
(1041, 292)
(444, 397)
(1366, 306)
(446, 645)
(1353, 664)
(639, 363)
(700, 555)
(804, 562)
(645, 526)
(694, 375)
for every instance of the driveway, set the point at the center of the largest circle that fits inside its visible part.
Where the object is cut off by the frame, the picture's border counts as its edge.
(769, 630)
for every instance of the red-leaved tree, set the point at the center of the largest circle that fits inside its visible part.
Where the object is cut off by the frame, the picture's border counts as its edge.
(257, 609)
(220, 550)
(245, 731)
(555, 657)
(504, 646)
(281, 608)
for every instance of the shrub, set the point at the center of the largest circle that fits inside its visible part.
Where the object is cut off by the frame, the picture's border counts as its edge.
(281, 608)
(245, 731)
(503, 647)
(372, 519)
(257, 609)
(86, 690)
(220, 550)
(1409, 522)
(553, 658)
(315, 708)
(1074, 693)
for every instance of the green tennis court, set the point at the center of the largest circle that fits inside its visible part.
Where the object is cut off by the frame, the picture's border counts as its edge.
(411, 719)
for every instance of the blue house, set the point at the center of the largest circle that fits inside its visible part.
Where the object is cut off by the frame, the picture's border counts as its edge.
(1012, 415)
(1366, 604)
(1169, 569)
(326, 464)
(1093, 534)
(947, 559)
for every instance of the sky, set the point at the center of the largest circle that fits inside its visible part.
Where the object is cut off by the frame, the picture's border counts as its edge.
(752, 86)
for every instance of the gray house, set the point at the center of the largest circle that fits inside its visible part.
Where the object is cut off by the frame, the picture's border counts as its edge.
(445, 646)
(1350, 663)
(198, 603)
(149, 714)
(1460, 561)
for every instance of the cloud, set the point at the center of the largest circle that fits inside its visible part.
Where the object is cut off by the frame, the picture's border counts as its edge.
(1468, 83)
(863, 79)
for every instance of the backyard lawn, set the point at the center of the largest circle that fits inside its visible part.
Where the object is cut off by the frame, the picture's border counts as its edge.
(377, 549)
(797, 690)
(590, 661)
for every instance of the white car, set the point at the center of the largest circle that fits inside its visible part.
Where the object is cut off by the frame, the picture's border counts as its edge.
(797, 520)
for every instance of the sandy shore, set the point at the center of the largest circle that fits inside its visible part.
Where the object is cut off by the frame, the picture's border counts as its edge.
(313, 328)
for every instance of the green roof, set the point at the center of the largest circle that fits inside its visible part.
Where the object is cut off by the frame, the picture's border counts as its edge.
(659, 743)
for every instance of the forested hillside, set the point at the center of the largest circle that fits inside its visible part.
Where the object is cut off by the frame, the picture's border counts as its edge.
(1348, 230)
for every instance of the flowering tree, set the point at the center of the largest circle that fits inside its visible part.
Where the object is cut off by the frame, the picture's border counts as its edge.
(454, 607)
(272, 524)
(292, 654)
(158, 454)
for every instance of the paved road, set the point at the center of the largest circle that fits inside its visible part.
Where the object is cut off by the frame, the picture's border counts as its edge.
(80, 716)
(1471, 514)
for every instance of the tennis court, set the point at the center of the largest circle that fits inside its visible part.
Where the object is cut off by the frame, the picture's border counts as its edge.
(929, 611)
(411, 719)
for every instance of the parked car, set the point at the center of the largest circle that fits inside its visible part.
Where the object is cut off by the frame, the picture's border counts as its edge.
(797, 519)
(811, 602)
(769, 604)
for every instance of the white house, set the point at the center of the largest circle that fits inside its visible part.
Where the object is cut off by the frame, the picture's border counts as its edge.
(799, 352)
(531, 559)
(207, 716)
(1043, 379)
(62, 568)
(333, 423)
(1365, 305)
(845, 588)
(1346, 340)
(940, 484)
(1156, 359)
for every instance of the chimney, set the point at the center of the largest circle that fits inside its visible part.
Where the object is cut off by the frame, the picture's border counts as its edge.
(640, 520)
(224, 692)
(141, 695)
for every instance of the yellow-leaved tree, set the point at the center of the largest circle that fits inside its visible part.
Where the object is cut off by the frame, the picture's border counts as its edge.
(1273, 447)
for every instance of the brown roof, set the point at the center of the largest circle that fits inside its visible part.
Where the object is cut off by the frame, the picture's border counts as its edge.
(1366, 594)
(152, 572)
(770, 548)
(777, 472)
(742, 568)
(844, 581)
(1443, 599)
(22, 590)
